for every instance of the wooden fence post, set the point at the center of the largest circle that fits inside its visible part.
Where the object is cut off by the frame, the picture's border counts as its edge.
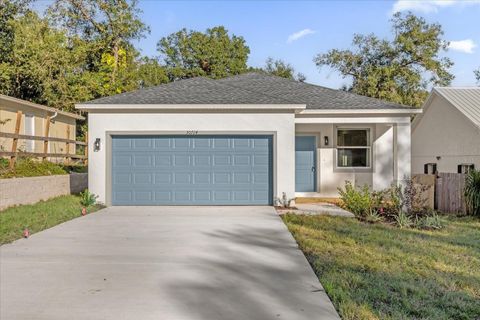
(13, 158)
(45, 142)
(67, 149)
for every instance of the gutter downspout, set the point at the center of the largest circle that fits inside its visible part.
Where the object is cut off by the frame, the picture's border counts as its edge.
(54, 116)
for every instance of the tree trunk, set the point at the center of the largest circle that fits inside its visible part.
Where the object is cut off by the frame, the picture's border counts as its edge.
(115, 60)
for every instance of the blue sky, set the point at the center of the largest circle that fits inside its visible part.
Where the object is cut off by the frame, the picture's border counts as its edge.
(267, 26)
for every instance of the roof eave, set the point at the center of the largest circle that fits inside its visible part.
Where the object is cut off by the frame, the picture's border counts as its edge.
(41, 107)
(184, 107)
(361, 111)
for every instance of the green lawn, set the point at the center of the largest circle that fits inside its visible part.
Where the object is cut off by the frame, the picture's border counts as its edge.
(39, 216)
(382, 272)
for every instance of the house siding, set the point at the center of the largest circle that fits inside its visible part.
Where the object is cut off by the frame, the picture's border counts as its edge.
(444, 132)
(382, 172)
(58, 127)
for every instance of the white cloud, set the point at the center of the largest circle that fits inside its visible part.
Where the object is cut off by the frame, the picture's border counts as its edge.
(428, 6)
(465, 46)
(300, 34)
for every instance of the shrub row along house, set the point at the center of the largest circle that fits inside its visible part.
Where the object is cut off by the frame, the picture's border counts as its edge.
(242, 140)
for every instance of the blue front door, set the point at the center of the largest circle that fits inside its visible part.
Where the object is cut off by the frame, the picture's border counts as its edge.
(192, 170)
(305, 163)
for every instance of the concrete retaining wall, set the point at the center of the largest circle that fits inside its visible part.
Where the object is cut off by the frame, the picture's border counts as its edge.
(18, 191)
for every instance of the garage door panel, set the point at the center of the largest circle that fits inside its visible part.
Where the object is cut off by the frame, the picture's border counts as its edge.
(163, 160)
(142, 144)
(143, 178)
(181, 144)
(202, 160)
(185, 170)
(123, 160)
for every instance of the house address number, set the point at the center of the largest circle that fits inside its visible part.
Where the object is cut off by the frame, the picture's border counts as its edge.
(192, 132)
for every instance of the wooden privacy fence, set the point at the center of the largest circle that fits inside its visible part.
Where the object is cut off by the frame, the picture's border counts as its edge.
(449, 196)
(67, 156)
(443, 191)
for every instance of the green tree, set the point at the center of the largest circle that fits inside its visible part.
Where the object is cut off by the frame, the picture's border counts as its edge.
(214, 54)
(279, 68)
(477, 75)
(9, 11)
(150, 73)
(45, 66)
(399, 70)
(282, 69)
(109, 26)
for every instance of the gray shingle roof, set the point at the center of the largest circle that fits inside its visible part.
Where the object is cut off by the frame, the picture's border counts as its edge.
(248, 88)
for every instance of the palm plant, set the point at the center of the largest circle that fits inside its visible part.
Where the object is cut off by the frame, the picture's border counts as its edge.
(472, 192)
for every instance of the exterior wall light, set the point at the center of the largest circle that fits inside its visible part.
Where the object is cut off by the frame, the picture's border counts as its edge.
(96, 145)
(325, 140)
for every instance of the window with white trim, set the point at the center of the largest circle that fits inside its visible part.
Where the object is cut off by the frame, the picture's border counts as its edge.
(353, 148)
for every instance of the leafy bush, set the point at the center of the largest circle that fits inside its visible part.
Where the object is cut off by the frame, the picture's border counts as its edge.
(4, 163)
(75, 168)
(28, 167)
(401, 206)
(472, 192)
(360, 201)
(87, 198)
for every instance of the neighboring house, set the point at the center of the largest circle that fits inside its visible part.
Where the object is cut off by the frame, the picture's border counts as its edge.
(446, 137)
(33, 123)
(242, 140)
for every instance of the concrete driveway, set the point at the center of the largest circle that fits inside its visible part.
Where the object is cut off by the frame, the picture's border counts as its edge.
(162, 263)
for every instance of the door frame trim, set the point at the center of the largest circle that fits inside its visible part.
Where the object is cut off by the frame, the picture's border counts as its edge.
(108, 152)
(317, 136)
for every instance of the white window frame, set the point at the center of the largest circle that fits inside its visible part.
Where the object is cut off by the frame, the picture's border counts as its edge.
(368, 147)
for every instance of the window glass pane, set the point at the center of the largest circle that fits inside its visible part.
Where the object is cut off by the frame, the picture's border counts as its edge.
(352, 157)
(352, 138)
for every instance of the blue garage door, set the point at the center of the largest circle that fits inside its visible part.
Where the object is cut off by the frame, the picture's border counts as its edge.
(192, 170)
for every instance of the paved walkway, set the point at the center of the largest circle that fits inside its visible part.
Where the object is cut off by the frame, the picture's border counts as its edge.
(162, 263)
(320, 208)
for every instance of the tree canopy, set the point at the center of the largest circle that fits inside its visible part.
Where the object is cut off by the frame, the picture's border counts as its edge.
(399, 70)
(213, 53)
(282, 69)
(45, 65)
(109, 27)
(84, 49)
(477, 74)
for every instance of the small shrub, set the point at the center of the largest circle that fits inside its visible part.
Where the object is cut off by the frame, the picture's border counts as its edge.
(373, 216)
(4, 163)
(75, 168)
(472, 192)
(87, 198)
(402, 220)
(28, 167)
(283, 202)
(360, 201)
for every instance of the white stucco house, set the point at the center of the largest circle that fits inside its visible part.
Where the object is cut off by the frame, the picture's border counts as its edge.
(446, 136)
(242, 140)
